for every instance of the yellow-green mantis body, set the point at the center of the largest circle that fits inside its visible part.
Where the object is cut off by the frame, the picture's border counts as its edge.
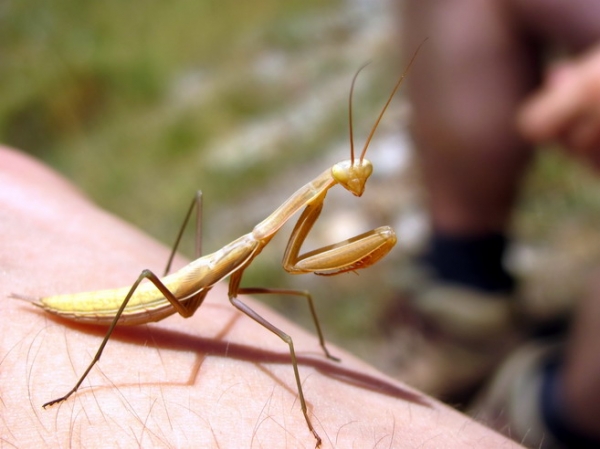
(184, 290)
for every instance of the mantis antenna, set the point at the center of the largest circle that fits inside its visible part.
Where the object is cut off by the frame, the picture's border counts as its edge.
(389, 100)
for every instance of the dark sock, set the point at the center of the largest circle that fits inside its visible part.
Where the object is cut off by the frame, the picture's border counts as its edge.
(471, 261)
(554, 414)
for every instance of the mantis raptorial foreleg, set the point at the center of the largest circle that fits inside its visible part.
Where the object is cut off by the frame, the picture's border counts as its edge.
(348, 255)
(183, 292)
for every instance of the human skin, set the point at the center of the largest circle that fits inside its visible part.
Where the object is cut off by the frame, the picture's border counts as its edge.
(216, 379)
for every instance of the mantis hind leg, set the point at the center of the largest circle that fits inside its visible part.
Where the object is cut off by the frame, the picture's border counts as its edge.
(197, 203)
(186, 309)
(311, 305)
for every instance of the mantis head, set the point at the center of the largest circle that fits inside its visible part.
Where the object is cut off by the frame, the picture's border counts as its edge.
(353, 175)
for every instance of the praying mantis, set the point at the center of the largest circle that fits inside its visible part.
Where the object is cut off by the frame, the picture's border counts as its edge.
(184, 291)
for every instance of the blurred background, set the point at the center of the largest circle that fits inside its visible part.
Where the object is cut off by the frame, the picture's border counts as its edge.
(141, 103)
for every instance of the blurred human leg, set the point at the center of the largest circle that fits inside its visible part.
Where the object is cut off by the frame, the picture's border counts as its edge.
(481, 61)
